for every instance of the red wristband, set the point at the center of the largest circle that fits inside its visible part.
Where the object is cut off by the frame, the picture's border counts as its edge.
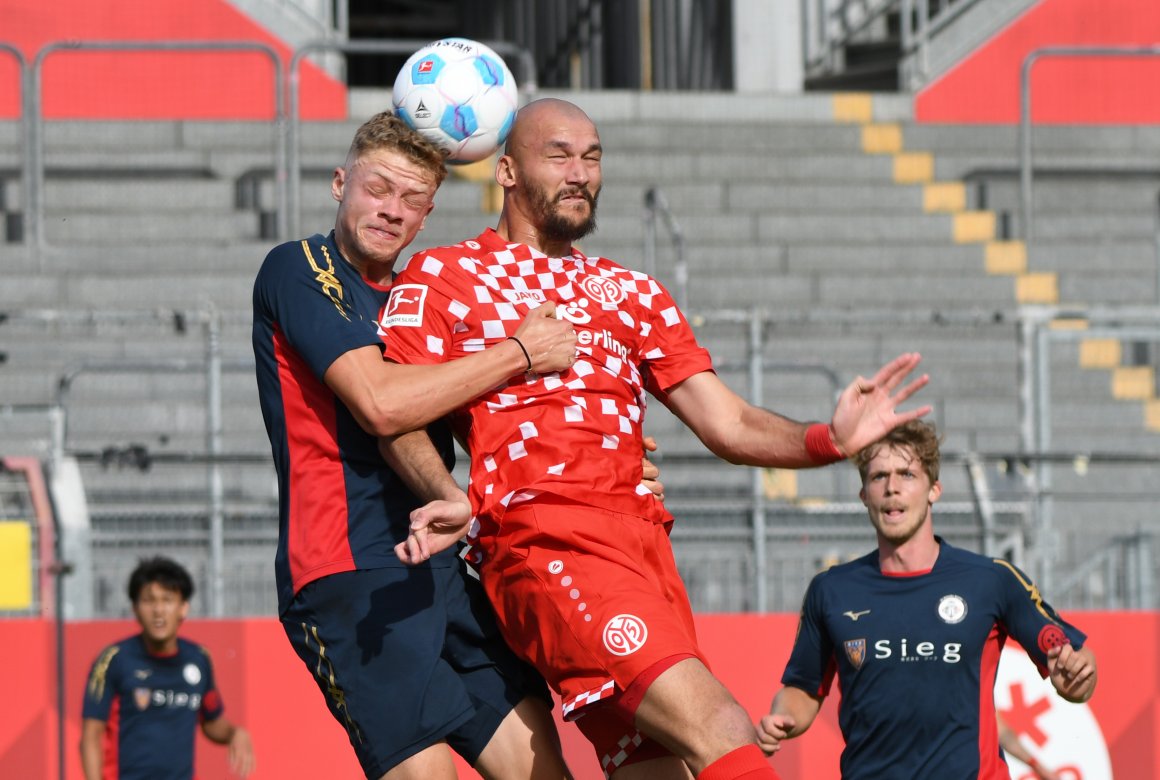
(820, 446)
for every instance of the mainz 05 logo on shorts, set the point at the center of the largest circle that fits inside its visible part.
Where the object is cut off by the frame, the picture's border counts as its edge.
(625, 634)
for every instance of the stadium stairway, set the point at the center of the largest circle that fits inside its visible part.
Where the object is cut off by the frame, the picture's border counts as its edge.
(861, 233)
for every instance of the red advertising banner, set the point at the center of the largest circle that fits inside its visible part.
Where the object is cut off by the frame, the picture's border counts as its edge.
(266, 688)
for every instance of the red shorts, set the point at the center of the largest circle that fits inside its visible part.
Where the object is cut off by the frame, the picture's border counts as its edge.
(592, 599)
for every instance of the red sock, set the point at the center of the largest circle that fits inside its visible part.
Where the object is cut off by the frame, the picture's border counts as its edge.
(744, 763)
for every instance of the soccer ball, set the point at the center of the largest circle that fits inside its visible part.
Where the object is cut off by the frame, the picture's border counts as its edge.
(458, 94)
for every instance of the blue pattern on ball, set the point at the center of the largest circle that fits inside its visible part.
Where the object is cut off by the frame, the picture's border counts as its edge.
(490, 71)
(459, 122)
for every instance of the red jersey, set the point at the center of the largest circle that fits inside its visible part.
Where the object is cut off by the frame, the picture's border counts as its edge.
(576, 434)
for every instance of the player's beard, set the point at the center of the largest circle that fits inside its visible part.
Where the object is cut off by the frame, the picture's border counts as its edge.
(553, 222)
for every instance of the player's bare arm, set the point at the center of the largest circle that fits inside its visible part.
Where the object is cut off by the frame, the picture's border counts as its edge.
(444, 519)
(388, 399)
(737, 431)
(237, 739)
(792, 712)
(92, 748)
(1072, 672)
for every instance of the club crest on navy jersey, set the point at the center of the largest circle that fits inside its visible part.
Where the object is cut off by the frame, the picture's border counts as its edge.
(855, 651)
(952, 608)
(141, 697)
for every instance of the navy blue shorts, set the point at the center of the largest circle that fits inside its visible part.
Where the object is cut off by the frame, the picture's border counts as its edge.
(406, 658)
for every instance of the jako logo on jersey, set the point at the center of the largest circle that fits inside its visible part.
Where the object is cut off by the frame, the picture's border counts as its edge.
(855, 651)
(603, 290)
(920, 651)
(625, 634)
(530, 297)
(405, 306)
(952, 609)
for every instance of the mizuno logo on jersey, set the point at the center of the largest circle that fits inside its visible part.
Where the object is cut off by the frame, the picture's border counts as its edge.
(855, 615)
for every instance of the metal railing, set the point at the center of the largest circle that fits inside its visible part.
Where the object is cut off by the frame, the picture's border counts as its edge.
(829, 26)
(1037, 331)
(656, 208)
(34, 209)
(26, 136)
(1011, 517)
(1026, 173)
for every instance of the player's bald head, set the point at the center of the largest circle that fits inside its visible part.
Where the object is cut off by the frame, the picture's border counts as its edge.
(540, 115)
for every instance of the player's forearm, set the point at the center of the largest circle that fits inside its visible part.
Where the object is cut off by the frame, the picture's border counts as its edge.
(389, 398)
(414, 458)
(796, 704)
(734, 429)
(92, 751)
(220, 731)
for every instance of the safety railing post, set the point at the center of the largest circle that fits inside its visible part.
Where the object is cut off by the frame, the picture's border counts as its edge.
(756, 396)
(213, 368)
(1026, 174)
(36, 171)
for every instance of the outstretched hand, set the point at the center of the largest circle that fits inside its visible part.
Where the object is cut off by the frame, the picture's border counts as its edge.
(434, 528)
(550, 342)
(867, 408)
(1072, 672)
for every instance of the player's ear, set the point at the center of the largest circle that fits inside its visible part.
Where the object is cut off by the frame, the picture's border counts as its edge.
(338, 183)
(935, 492)
(505, 174)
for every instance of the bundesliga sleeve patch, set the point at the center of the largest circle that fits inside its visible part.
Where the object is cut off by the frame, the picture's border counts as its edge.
(405, 306)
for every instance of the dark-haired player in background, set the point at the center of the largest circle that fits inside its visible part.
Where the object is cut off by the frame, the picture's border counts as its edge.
(146, 695)
(914, 631)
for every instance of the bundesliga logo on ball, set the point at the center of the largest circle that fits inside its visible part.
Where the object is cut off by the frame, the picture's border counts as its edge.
(460, 95)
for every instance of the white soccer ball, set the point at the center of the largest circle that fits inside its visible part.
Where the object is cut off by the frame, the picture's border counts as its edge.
(460, 95)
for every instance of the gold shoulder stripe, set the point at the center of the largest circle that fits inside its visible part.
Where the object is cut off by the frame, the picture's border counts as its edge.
(99, 677)
(331, 286)
(1030, 587)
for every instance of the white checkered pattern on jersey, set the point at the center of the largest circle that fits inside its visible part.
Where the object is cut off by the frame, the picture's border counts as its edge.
(611, 763)
(588, 697)
(578, 433)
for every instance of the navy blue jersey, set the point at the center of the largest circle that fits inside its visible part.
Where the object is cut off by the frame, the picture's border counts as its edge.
(916, 658)
(152, 706)
(340, 507)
